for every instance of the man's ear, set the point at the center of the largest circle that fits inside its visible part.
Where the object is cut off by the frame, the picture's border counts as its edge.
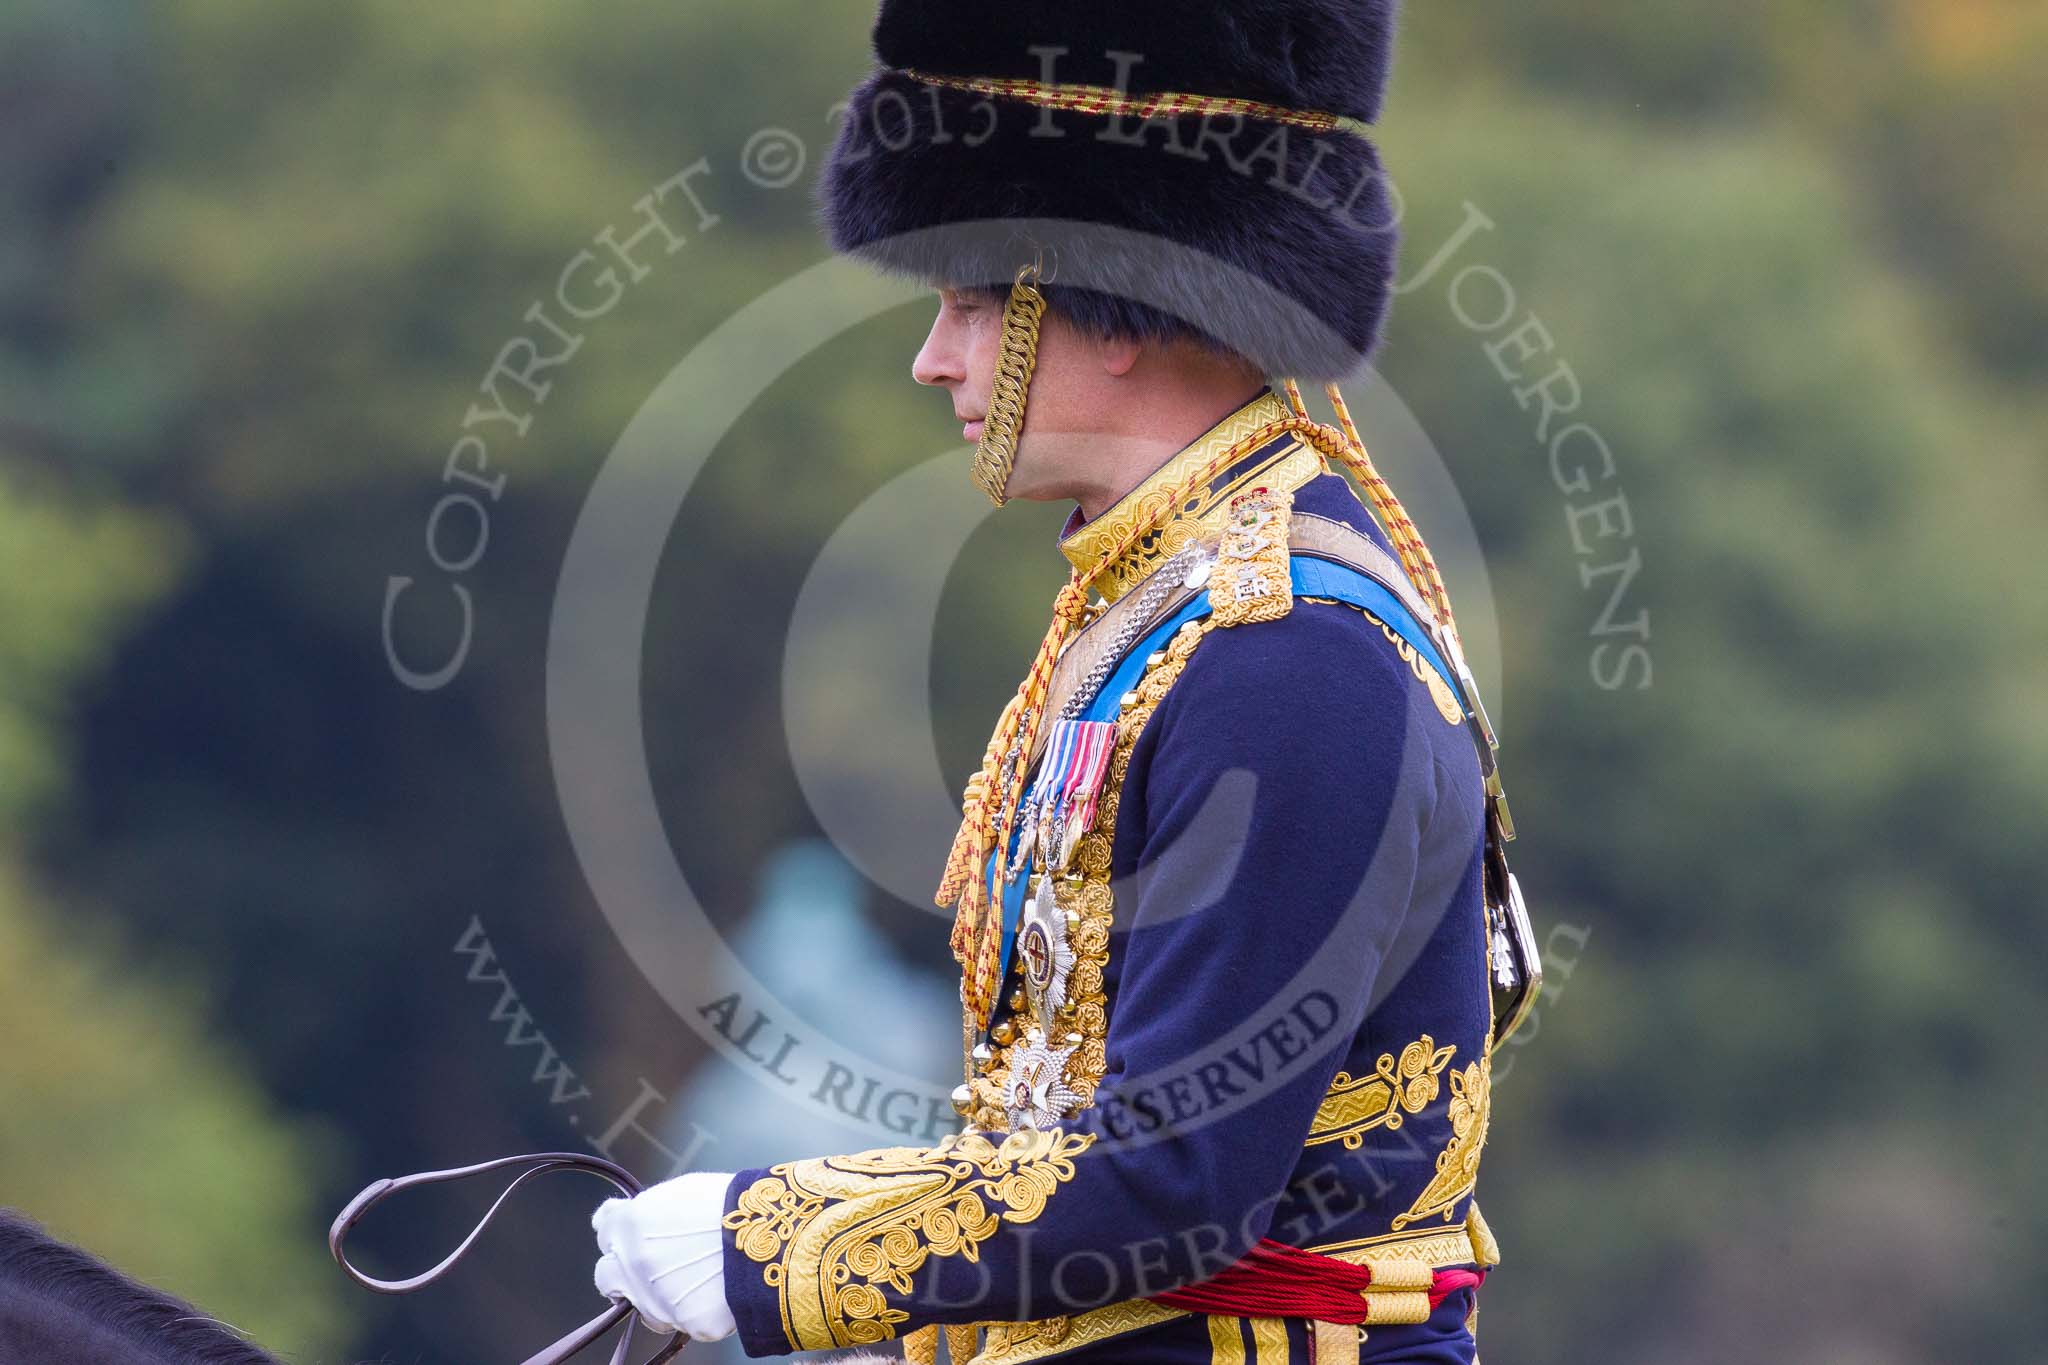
(1119, 355)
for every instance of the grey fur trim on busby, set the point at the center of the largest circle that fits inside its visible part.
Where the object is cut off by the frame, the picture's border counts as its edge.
(923, 176)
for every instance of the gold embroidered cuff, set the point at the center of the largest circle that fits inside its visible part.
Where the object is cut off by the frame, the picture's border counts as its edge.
(833, 1233)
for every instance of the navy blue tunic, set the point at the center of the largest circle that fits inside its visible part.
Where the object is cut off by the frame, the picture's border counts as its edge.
(1298, 1024)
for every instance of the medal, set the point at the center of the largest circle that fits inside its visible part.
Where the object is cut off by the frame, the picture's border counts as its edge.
(1036, 1094)
(1043, 952)
(1060, 806)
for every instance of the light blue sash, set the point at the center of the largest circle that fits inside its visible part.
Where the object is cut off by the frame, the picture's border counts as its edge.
(1312, 577)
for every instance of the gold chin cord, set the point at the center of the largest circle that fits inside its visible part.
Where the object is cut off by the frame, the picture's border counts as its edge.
(1016, 358)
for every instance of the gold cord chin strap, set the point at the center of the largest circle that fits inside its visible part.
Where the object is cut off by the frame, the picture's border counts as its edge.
(1016, 358)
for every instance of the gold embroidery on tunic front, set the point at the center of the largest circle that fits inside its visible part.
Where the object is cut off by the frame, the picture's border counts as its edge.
(1457, 1166)
(1080, 891)
(1356, 1106)
(1088, 906)
(832, 1233)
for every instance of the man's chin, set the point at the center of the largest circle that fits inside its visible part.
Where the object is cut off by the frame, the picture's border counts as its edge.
(1023, 488)
(1043, 469)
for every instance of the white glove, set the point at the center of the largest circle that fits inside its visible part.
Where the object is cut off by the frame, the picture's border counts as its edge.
(662, 1250)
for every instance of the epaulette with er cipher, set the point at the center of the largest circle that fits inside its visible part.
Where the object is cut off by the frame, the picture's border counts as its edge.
(1251, 581)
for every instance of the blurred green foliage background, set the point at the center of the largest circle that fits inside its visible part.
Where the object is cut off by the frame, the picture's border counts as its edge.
(1784, 1101)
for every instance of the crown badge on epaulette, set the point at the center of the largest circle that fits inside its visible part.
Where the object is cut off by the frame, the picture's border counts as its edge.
(1251, 581)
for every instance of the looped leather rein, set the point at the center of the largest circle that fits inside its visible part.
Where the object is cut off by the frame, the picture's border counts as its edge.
(537, 1163)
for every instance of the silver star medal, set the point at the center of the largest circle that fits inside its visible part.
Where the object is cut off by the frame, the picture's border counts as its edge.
(1043, 951)
(1037, 1094)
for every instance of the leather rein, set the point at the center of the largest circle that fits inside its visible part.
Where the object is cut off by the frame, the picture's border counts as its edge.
(534, 1164)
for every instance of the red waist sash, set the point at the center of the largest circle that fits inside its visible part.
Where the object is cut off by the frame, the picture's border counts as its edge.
(1275, 1280)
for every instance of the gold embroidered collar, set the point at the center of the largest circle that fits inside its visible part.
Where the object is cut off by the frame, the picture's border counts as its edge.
(1282, 464)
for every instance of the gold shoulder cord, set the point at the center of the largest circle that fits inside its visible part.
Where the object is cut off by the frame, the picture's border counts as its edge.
(892, 1209)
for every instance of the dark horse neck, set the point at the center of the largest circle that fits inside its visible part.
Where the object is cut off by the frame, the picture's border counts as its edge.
(59, 1306)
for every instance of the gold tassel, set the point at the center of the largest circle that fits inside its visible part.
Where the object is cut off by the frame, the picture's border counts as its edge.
(986, 827)
(975, 818)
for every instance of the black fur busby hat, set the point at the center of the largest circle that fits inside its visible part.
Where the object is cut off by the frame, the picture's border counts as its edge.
(1180, 169)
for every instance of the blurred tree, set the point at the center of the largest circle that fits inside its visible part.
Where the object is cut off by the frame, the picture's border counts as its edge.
(1954, 144)
(71, 569)
(1932, 111)
(131, 1129)
(1799, 835)
(261, 256)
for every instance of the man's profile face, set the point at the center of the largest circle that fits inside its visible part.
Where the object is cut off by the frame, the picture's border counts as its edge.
(1065, 406)
(959, 354)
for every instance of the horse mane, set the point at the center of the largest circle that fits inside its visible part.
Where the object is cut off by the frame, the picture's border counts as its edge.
(168, 1328)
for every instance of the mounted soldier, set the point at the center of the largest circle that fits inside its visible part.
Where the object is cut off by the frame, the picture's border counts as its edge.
(1231, 906)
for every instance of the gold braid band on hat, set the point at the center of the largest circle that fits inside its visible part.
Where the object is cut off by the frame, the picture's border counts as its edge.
(1016, 358)
(989, 809)
(1105, 99)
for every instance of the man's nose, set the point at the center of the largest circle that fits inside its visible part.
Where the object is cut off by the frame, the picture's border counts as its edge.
(938, 360)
